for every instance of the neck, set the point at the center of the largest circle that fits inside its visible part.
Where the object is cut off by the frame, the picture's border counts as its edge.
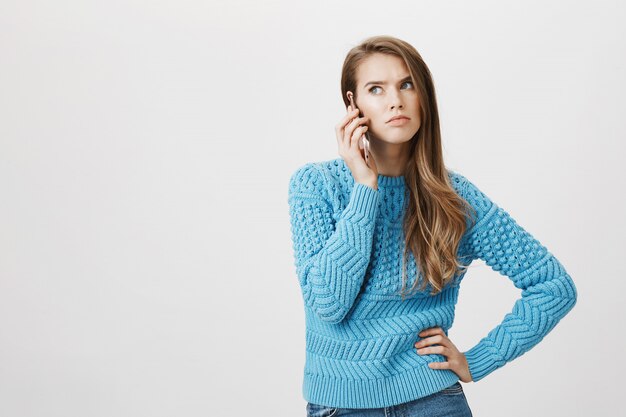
(391, 158)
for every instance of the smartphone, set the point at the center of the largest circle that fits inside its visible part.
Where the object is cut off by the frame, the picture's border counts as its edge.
(364, 142)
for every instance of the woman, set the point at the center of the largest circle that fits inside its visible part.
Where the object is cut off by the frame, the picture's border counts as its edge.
(365, 231)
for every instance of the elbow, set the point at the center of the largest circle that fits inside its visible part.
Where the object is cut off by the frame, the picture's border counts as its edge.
(329, 310)
(323, 303)
(555, 293)
(564, 286)
(566, 293)
(329, 297)
(334, 318)
(572, 292)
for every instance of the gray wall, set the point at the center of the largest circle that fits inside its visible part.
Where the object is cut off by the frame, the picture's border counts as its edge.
(145, 150)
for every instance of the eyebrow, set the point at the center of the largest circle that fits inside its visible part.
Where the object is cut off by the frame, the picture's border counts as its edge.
(407, 78)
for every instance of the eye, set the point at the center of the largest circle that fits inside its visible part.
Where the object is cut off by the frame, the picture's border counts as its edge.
(406, 82)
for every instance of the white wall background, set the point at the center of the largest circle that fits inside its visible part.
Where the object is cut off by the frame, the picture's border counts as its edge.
(145, 150)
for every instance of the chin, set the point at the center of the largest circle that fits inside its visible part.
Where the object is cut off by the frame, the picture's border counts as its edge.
(398, 137)
(394, 141)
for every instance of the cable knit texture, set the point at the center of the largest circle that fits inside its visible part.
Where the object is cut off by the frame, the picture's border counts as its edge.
(360, 335)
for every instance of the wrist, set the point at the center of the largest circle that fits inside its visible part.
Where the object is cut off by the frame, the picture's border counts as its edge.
(371, 184)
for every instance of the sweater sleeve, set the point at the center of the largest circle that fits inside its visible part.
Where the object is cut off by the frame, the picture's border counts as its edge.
(331, 256)
(548, 292)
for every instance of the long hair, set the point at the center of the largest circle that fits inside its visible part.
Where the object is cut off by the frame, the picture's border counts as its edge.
(435, 218)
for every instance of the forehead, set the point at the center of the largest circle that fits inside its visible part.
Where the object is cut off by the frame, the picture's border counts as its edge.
(381, 67)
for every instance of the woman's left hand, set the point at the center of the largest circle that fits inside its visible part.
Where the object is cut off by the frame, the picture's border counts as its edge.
(439, 343)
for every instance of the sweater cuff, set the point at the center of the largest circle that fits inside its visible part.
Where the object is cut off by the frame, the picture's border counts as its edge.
(482, 360)
(363, 202)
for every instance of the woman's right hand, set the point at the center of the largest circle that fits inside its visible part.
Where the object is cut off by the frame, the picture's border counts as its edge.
(349, 132)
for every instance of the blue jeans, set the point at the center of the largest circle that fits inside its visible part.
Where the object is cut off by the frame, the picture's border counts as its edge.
(449, 402)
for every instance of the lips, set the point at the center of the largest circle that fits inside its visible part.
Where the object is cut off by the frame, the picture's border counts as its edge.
(397, 118)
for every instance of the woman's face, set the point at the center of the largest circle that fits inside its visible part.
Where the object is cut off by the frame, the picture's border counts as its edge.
(384, 90)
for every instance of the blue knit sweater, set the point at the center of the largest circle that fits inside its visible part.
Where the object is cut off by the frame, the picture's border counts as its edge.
(360, 335)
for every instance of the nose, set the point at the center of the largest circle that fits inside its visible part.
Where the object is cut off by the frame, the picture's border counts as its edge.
(395, 101)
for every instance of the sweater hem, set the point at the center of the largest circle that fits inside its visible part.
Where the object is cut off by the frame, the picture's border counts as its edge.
(385, 392)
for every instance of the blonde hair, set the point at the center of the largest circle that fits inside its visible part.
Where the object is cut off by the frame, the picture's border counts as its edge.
(435, 220)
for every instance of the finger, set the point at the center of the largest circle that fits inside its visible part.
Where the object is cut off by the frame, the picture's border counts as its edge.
(350, 137)
(348, 132)
(431, 331)
(354, 123)
(439, 365)
(356, 137)
(349, 116)
(441, 350)
(354, 140)
(340, 127)
(432, 340)
(358, 132)
(342, 133)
